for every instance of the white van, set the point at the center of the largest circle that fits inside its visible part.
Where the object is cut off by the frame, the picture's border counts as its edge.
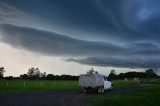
(94, 81)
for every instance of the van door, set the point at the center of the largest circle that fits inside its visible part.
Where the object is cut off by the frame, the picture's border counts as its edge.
(107, 84)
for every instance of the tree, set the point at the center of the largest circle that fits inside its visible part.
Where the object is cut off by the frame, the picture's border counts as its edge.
(34, 73)
(43, 75)
(24, 76)
(50, 77)
(31, 72)
(113, 71)
(150, 73)
(37, 73)
(2, 72)
(92, 71)
(9, 77)
(112, 74)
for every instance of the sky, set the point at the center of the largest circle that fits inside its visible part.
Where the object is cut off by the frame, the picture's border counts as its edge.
(71, 36)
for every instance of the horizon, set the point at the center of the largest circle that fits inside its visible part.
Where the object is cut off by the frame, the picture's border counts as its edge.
(69, 37)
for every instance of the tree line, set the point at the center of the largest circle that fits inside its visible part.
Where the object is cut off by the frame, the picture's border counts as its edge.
(149, 73)
(35, 74)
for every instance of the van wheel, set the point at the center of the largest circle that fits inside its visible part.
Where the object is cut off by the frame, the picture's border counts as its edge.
(111, 88)
(100, 90)
(84, 90)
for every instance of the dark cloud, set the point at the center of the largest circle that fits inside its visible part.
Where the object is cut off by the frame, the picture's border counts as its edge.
(144, 49)
(127, 62)
(118, 33)
(93, 53)
(55, 44)
(123, 20)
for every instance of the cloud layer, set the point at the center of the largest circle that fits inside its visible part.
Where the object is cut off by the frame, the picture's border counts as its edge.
(120, 62)
(51, 43)
(119, 33)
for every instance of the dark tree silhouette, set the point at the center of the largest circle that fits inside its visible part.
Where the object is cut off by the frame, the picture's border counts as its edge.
(24, 76)
(112, 75)
(50, 77)
(92, 71)
(43, 74)
(33, 73)
(2, 72)
(150, 73)
(9, 78)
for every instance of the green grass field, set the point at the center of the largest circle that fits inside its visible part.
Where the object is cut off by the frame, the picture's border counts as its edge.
(123, 84)
(29, 86)
(145, 96)
(48, 85)
(142, 97)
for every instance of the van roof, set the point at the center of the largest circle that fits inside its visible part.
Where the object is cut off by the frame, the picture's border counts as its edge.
(92, 75)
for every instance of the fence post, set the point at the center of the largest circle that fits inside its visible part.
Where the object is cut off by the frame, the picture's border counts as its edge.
(7, 84)
(41, 84)
(24, 84)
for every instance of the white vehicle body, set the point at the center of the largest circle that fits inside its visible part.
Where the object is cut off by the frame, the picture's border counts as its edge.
(94, 82)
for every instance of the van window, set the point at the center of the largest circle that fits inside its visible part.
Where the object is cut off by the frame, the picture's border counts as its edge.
(104, 78)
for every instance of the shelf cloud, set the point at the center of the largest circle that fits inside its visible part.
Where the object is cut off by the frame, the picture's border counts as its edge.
(106, 33)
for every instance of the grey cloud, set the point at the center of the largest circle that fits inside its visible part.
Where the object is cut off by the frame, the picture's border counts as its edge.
(125, 20)
(10, 14)
(134, 55)
(121, 21)
(55, 44)
(127, 62)
(144, 49)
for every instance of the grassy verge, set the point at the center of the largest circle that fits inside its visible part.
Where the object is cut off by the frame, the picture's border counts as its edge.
(47, 85)
(147, 96)
(123, 84)
(29, 86)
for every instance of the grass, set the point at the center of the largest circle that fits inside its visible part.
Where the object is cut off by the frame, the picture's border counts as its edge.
(7, 86)
(147, 96)
(131, 83)
(47, 85)
(152, 81)
(123, 84)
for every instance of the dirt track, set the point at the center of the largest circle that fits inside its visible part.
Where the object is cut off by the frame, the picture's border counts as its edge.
(65, 98)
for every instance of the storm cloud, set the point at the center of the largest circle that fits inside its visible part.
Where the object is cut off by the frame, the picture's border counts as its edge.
(55, 44)
(107, 33)
(128, 62)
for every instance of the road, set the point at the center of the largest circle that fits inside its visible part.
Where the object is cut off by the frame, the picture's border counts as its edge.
(59, 98)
